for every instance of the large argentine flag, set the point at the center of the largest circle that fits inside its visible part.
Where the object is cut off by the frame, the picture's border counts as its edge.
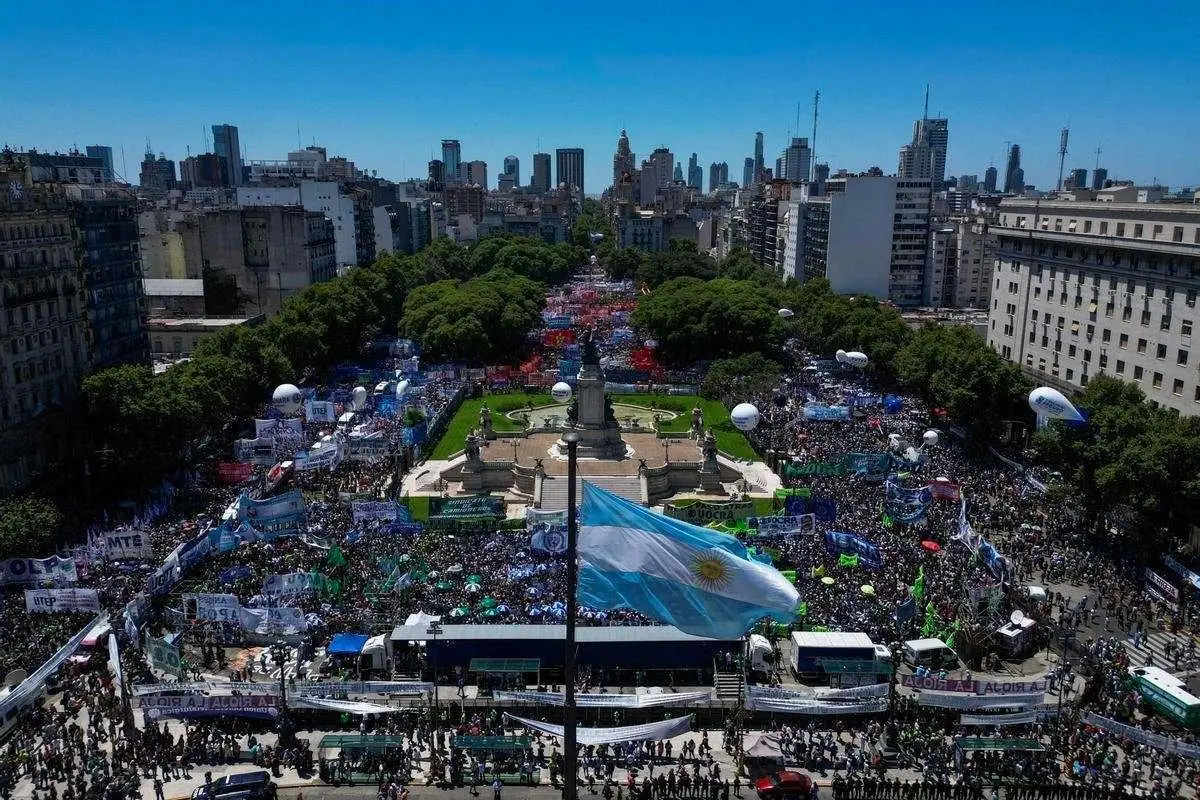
(696, 579)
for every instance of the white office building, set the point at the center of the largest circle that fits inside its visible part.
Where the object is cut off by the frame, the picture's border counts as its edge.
(324, 196)
(1084, 288)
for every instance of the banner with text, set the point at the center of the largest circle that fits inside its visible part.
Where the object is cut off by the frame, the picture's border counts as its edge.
(702, 511)
(127, 546)
(54, 569)
(61, 601)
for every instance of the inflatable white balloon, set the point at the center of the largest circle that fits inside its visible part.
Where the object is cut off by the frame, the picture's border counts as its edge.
(561, 392)
(401, 389)
(358, 398)
(287, 398)
(744, 417)
(786, 313)
(1048, 402)
(840, 355)
(855, 359)
(930, 438)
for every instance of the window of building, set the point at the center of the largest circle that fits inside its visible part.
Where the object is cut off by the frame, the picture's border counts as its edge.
(1177, 234)
(1087, 226)
(1156, 381)
(1141, 345)
(1087, 356)
(1120, 229)
(1103, 361)
(1120, 367)
(1181, 358)
(1185, 328)
(1161, 352)
(1071, 351)
(1137, 230)
(1145, 316)
(1070, 374)
(1137, 373)
(1126, 314)
(1103, 228)
(1190, 299)
(1106, 335)
(1123, 341)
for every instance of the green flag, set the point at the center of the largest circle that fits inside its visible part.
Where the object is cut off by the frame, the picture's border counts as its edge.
(802, 611)
(847, 560)
(336, 558)
(887, 520)
(918, 587)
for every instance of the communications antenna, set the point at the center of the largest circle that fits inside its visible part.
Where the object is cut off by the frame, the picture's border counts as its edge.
(1062, 154)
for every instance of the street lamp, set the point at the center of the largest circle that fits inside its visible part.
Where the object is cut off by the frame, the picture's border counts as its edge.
(279, 655)
(434, 630)
(515, 444)
(570, 759)
(666, 443)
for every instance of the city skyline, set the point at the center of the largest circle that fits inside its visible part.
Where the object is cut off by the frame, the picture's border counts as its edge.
(285, 86)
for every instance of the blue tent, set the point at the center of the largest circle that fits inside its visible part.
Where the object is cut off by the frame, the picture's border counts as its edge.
(347, 644)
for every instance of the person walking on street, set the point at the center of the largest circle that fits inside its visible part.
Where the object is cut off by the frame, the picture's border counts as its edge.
(497, 785)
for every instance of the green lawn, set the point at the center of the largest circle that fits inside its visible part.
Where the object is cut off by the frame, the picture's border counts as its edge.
(729, 439)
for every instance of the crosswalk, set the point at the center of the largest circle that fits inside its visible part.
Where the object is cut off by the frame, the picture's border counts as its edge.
(1153, 652)
(291, 669)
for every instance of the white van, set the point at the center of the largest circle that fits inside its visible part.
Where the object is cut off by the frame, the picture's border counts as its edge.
(933, 654)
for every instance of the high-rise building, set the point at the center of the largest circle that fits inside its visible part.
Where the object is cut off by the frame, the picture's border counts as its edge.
(1078, 179)
(695, 173)
(452, 159)
(677, 175)
(227, 145)
(924, 158)
(540, 180)
(475, 173)
(1099, 177)
(157, 175)
(655, 174)
(623, 160)
(718, 175)
(105, 154)
(570, 167)
(204, 171)
(351, 209)
(512, 168)
(989, 180)
(748, 173)
(1014, 176)
(1130, 305)
(865, 234)
(437, 175)
(968, 183)
(758, 158)
(795, 164)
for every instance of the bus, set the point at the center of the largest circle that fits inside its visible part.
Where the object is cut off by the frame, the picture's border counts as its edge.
(1168, 694)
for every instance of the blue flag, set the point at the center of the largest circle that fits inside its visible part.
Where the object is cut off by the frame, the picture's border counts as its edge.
(695, 579)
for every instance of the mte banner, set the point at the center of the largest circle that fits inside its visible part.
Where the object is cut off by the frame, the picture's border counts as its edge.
(127, 546)
(703, 511)
(54, 569)
(61, 601)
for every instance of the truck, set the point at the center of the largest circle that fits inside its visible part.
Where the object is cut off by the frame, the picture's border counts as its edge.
(838, 658)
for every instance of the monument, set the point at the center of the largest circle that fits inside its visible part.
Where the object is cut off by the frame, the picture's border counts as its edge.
(591, 415)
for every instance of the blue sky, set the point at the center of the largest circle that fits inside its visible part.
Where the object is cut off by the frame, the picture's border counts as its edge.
(383, 82)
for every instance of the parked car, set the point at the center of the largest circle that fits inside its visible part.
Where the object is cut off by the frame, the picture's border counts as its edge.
(785, 785)
(255, 785)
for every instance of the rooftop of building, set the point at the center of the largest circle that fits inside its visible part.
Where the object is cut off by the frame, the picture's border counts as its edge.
(209, 323)
(1010, 203)
(173, 287)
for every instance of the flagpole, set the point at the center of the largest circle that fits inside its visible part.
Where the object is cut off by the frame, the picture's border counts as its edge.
(570, 758)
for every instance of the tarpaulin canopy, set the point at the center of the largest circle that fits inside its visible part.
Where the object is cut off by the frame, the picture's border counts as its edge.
(607, 700)
(768, 747)
(628, 733)
(347, 644)
(341, 706)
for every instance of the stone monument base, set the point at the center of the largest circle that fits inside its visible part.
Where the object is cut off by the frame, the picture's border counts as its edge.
(597, 442)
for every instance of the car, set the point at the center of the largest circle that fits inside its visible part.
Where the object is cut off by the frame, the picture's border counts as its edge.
(785, 785)
(255, 785)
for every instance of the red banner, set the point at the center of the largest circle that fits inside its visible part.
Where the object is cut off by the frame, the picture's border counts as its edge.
(234, 471)
(558, 338)
(944, 490)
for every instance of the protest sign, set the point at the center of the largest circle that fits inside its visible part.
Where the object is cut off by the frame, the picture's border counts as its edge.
(127, 546)
(61, 601)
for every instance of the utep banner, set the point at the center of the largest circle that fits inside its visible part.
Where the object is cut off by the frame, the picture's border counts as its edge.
(362, 510)
(38, 570)
(127, 545)
(852, 544)
(320, 411)
(703, 511)
(279, 516)
(62, 601)
(819, 412)
(779, 526)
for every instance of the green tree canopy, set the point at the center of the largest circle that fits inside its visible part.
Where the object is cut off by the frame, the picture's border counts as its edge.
(28, 526)
(741, 377)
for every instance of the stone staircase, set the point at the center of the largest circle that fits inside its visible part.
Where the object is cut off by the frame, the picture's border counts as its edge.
(554, 490)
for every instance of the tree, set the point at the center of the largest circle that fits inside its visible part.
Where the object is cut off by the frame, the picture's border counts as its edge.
(676, 262)
(738, 378)
(695, 320)
(28, 526)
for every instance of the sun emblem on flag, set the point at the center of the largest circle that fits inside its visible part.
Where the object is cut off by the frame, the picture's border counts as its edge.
(710, 569)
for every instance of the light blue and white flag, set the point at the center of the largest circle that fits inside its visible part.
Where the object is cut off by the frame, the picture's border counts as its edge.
(695, 579)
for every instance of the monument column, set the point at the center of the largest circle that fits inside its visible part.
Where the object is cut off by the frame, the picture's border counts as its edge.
(599, 435)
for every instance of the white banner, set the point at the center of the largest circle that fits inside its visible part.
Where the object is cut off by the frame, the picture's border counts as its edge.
(61, 601)
(54, 569)
(342, 706)
(279, 619)
(327, 457)
(870, 690)
(1000, 720)
(362, 510)
(1157, 741)
(216, 607)
(337, 688)
(788, 701)
(183, 705)
(976, 701)
(533, 516)
(127, 545)
(608, 700)
(666, 729)
(266, 428)
(320, 411)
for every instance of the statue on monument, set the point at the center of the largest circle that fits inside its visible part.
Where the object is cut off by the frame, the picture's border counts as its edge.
(697, 422)
(590, 355)
(708, 446)
(485, 419)
(473, 443)
(609, 414)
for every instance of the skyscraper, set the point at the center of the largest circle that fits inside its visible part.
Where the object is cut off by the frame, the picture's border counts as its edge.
(925, 156)
(758, 158)
(656, 173)
(677, 175)
(475, 173)
(570, 167)
(451, 158)
(540, 180)
(623, 160)
(512, 168)
(1079, 178)
(748, 173)
(1014, 176)
(103, 153)
(227, 145)
(437, 175)
(795, 164)
(718, 174)
(989, 180)
(695, 175)
(1099, 176)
